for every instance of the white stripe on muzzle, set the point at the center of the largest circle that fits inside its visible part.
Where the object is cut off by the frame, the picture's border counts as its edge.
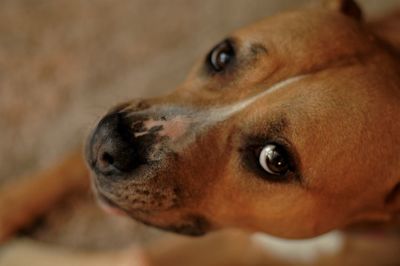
(182, 125)
(223, 113)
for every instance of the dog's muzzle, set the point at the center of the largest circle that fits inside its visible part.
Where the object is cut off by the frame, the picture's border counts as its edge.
(120, 144)
(122, 141)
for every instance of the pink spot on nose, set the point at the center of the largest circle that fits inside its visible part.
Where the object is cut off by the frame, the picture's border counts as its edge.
(173, 128)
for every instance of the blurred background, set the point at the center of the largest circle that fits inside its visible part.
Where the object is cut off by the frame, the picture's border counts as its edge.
(63, 63)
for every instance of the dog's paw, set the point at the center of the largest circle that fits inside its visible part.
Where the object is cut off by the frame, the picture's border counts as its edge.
(133, 256)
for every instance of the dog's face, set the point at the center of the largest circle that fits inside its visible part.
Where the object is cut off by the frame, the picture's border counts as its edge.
(285, 127)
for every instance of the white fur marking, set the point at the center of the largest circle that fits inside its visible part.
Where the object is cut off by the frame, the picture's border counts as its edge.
(183, 119)
(222, 113)
(301, 251)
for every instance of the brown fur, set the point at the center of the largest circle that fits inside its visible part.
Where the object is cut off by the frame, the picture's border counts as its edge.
(341, 120)
(345, 148)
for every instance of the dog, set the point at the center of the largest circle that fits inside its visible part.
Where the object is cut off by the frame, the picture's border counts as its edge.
(288, 126)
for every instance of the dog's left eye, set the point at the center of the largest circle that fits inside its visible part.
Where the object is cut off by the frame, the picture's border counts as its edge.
(274, 159)
(221, 56)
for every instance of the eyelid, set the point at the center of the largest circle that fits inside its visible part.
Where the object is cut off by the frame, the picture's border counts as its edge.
(232, 42)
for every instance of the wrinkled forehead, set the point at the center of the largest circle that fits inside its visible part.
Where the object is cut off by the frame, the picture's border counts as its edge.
(317, 32)
(336, 94)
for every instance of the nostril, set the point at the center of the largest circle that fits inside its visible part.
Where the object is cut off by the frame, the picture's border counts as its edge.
(105, 162)
(115, 151)
(107, 158)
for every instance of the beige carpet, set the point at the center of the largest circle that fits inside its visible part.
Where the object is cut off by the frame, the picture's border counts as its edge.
(64, 62)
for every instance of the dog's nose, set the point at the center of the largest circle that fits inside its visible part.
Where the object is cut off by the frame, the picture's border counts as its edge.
(112, 148)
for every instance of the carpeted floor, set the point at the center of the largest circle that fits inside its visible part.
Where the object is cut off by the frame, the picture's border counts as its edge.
(64, 62)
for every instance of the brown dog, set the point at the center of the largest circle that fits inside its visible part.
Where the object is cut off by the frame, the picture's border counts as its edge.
(289, 126)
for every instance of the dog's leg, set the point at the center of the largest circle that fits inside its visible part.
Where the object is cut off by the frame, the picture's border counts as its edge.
(36, 253)
(22, 201)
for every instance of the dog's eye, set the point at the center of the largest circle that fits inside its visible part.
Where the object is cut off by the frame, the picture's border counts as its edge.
(221, 56)
(274, 159)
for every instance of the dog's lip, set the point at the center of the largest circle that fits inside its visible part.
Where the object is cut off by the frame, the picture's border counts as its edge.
(109, 206)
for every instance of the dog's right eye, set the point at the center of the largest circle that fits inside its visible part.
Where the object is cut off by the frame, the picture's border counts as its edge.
(221, 56)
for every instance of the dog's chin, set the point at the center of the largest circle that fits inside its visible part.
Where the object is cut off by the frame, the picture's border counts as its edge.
(184, 228)
(191, 226)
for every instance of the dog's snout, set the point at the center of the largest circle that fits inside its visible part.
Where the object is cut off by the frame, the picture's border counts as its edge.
(129, 143)
(112, 148)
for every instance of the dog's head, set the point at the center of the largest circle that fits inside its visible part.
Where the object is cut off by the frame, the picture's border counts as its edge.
(288, 126)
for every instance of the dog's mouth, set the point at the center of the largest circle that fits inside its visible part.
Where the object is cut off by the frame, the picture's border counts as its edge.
(109, 206)
(191, 225)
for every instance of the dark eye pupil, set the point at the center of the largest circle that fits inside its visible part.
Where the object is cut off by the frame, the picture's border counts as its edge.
(223, 59)
(221, 56)
(276, 162)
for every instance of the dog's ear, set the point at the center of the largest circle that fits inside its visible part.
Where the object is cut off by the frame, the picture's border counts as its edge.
(347, 7)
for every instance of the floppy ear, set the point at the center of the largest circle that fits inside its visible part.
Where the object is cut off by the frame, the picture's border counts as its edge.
(347, 7)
